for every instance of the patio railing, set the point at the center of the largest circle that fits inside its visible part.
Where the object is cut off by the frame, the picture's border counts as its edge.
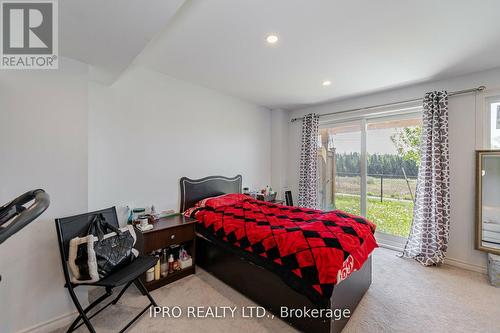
(383, 186)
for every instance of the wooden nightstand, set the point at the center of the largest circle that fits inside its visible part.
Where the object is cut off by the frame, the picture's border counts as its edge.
(168, 231)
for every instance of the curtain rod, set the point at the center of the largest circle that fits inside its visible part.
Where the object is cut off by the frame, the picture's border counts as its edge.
(453, 93)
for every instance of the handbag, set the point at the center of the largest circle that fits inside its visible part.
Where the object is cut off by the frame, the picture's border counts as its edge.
(104, 250)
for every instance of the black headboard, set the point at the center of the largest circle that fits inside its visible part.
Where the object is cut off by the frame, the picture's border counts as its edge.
(194, 190)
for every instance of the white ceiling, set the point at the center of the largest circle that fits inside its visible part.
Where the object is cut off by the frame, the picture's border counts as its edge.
(109, 34)
(362, 46)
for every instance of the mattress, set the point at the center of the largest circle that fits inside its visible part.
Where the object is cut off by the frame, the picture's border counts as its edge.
(310, 250)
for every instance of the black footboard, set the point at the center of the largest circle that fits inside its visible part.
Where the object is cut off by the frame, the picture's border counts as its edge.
(268, 290)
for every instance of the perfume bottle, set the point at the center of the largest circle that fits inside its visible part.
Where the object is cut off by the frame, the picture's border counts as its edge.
(130, 215)
(164, 263)
(171, 264)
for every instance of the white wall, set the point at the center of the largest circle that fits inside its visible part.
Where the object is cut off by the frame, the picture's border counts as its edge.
(43, 144)
(92, 146)
(279, 151)
(148, 130)
(462, 137)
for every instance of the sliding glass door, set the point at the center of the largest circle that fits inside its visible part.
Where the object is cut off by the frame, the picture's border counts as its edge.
(369, 166)
(340, 167)
(392, 150)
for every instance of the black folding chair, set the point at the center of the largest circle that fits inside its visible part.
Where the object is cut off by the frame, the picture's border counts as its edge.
(77, 226)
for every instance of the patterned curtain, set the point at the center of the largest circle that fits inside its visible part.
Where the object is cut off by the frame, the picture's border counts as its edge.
(308, 189)
(428, 240)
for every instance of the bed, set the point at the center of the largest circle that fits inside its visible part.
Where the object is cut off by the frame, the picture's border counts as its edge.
(255, 280)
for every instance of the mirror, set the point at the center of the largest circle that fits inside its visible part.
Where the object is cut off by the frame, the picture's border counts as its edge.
(488, 201)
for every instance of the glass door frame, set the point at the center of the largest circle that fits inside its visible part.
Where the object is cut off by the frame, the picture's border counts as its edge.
(363, 119)
(362, 153)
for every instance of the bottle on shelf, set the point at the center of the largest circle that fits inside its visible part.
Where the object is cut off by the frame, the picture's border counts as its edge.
(157, 268)
(150, 275)
(164, 263)
(171, 264)
(183, 255)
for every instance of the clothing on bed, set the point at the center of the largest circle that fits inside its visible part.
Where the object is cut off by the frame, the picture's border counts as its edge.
(310, 249)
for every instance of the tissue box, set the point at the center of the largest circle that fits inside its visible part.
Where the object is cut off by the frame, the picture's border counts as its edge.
(494, 269)
(186, 263)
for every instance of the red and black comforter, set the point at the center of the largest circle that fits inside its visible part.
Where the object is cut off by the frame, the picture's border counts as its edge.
(310, 249)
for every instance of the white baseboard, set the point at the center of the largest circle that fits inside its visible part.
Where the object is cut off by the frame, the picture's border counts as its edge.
(465, 265)
(52, 324)
(397, 244)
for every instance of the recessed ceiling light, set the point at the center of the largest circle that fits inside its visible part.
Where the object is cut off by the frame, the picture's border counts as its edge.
(327, 83)
(272, 39)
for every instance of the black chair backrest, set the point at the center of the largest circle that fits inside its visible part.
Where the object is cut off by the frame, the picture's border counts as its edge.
(288, 198)
(78, 226)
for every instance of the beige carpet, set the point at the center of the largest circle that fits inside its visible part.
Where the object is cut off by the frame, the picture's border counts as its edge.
(404, 297)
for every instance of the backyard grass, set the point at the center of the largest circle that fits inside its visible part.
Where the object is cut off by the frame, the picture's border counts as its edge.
(391, 216)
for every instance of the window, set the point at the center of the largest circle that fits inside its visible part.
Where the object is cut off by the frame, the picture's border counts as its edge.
(493, 106)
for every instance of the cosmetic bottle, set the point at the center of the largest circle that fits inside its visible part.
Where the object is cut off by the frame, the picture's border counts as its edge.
(171, 264)
(157, 268)
(164, 263)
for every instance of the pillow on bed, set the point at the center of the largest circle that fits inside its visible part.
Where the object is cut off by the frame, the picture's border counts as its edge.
(217, 201)
(225, 200)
